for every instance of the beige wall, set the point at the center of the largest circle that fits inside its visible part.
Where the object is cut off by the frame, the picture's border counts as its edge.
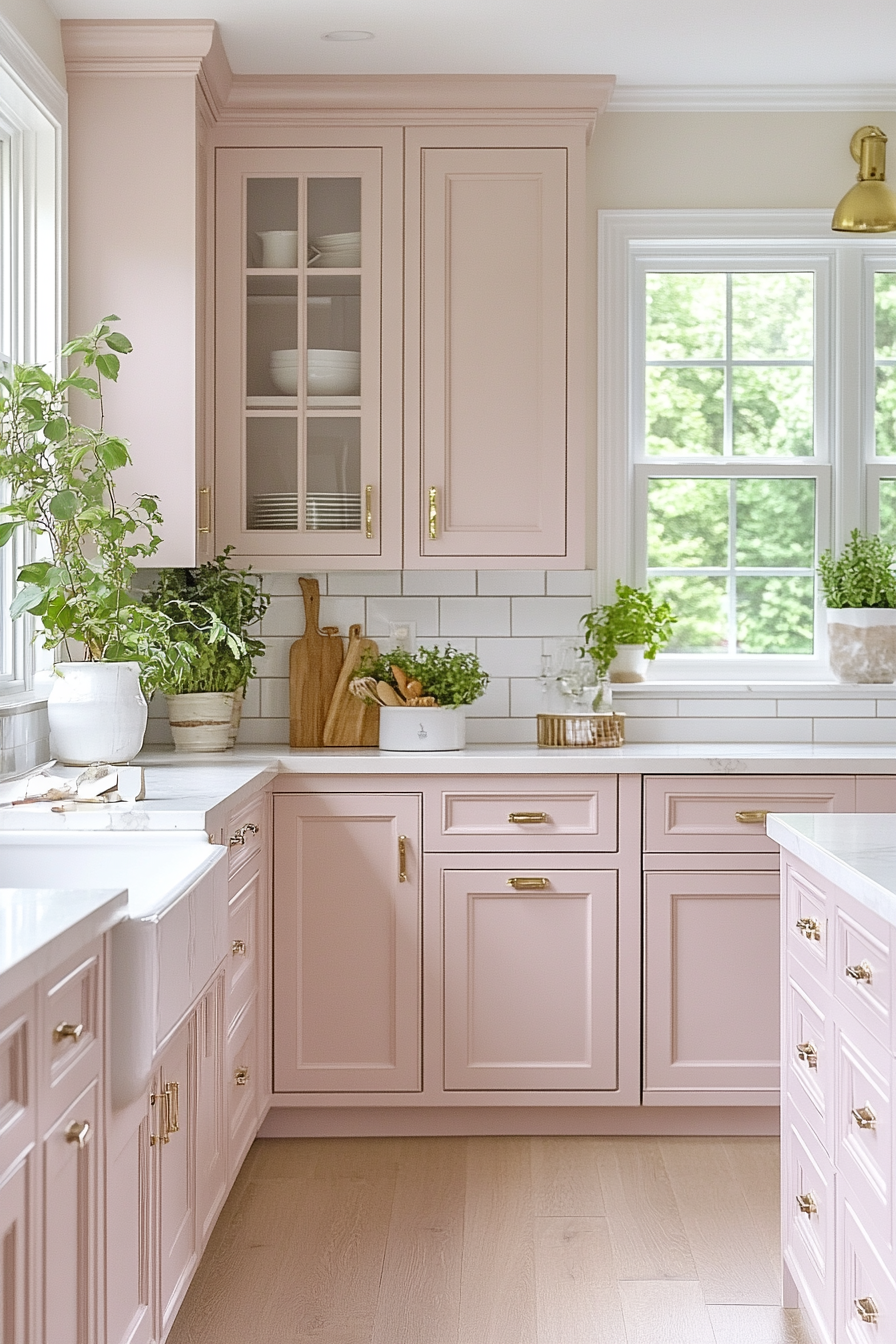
(40, 28)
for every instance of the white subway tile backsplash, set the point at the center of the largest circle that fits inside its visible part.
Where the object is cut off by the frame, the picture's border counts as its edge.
(511, 582)
(364, 583)
(721, 709)
(886, 709)
(265, 731)
(827, 709)
(711, 730)
(455, 641)
(495, 704)
(548, 616)
(275, 698)
(474, 615)
(438, 582)
(510, 657)
(501, 730)
(570, 583)
(855, 730)
(287, 585)
(341, 612)
(252, 698)
(632, 707)
(423, 611)
(527, 697)
(275, 662)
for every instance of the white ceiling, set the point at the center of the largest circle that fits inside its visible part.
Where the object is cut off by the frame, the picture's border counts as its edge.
(685, 42)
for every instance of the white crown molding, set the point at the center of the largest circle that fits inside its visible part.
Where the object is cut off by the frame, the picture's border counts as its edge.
(33, 77)
(753, 98)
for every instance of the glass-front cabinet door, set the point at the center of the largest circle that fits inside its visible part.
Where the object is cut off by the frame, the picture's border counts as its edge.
(299, 425)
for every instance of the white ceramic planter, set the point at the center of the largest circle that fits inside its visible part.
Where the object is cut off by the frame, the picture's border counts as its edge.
(630, 664)
(236, 715)
(97, 712)
(862, 644)
(201, 721)
(429, 728)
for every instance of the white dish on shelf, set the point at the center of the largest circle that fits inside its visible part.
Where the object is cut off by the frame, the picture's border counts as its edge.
(330, 373)
(279, 249)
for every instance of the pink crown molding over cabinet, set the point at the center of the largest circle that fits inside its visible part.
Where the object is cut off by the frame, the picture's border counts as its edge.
(156, 100)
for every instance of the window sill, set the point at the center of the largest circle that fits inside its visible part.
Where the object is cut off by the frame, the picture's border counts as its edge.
(20, 702)
(776, 690)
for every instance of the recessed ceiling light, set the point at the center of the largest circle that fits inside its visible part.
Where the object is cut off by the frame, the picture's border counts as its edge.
(348, 35)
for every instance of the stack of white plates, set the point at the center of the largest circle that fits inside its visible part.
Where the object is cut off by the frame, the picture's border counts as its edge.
(274, 513)
(335, 249)
(284, 368)
(332, 373)
(332, 512)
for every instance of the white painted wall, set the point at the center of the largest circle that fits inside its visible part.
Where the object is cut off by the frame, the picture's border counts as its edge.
(39, 26)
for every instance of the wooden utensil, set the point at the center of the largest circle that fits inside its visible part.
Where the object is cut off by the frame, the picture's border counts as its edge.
(315, 661)
(351, 723)
(388, 695)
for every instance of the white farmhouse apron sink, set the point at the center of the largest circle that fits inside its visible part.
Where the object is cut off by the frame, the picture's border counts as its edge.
(167, 948)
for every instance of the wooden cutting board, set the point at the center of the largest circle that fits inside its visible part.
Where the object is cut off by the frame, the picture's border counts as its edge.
(315, 661)
(351, 723)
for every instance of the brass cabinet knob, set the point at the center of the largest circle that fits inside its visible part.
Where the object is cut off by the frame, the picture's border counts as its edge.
(809, 928)
(866, 1310)
(528, 818)
(808, 1054)
(241, 1076)
(239, 837)
(862, 973)
(78, 1132)
(864, 1117)
(750, 818)
(806, 1204)
(68, 1031)
(528, 883)
(238, 947)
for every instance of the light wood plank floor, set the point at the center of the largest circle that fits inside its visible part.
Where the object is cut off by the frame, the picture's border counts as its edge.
(496, 1241)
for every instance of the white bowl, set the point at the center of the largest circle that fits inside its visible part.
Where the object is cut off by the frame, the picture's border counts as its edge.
(330, 240)
(333, 381)
(334, 359)
(279, 248)
(285, 378)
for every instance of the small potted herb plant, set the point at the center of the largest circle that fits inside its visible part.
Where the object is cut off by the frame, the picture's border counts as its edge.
(860, 593)
(622, 636)
(423, 695)
(212, 611)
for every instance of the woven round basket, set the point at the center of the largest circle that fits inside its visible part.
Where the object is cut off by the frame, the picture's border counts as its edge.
(581, 730)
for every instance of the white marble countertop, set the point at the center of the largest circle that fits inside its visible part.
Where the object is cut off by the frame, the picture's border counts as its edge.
(857, 852)
(40, 928)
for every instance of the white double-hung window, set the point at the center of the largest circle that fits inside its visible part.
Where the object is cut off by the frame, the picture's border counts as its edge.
(747, 389)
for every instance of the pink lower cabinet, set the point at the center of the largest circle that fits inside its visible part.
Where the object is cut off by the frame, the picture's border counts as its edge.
(530, 979)
(71, 1159)
(174, 1129)
(711, 988)
(347, 931)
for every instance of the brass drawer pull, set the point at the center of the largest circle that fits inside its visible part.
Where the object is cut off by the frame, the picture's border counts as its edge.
(239, 837)
(750, 818)
(808, 1054)
(68, 1031)
(205, 510)
(238, 947)
(862, 972)
(864, 1117)
(402, 858)
(433, 514)
(809, 928)
(806, 1204)
(172, 1092)
(162, 1131)
(78, 1132)
(867, 1311)
(368, 512)
(528, 818)
(241, 1076)
(528, 883)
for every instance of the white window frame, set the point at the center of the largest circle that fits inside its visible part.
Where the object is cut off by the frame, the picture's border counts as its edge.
(33, 113)
(631, 242)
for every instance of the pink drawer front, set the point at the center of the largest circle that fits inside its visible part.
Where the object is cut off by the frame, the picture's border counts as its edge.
(863, 978)
(864, 1126)
(806, 921)
(806, 1063)
(526, 815)
(686, 814)
(866, 1294)
(808, 1217)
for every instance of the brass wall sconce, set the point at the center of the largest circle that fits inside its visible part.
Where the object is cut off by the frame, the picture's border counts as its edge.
(869, 206)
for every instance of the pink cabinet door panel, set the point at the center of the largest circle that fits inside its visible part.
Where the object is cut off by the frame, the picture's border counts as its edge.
(129, 1225)
(865, 1292)
(530, 980)
(807, 1055)
(808, 1224)
(243, 1082)
(697, 816)
(176, 1186)
(863, 971)
(16, 1274)
(711, 988)
(492, 324)
(863, 1128)
(806, 920)
(211, 1126)
(243, 956)
(70, 1240)
(347, 943)
(522, 816)
(876, 793)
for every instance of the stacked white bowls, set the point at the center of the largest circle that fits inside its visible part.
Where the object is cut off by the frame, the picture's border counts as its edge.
(335, 249)
(284, 368)
(334, 373)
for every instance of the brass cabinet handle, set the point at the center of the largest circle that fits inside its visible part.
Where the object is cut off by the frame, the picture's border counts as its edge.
(866, 1308)
(528, 818)
(205, 510)
(433, 514)
(238, 947)
(172, 1091)
(78, 1132)
(239, 837)
(808, 1054)
(528, 883)
(368, 512)
(861, 972)
(806, 1204)
(241, 1075)
(68, 1031)
(402, 858)
(163, 1100)
(864, 1117)
(750, 818)
(809, 928)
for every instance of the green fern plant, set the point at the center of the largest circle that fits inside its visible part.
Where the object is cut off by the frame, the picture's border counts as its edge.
(864, 575)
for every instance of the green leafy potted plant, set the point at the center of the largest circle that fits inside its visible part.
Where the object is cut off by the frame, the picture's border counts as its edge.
(213, 610)
(423, 695)
(622, 636)
(60, 486)
(860, 593)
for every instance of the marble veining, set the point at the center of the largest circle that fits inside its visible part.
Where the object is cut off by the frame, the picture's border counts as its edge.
(855, 851)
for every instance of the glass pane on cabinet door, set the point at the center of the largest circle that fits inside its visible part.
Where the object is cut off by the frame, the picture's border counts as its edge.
(334, 341)
(271, 340)
(333, 489)
(272, 223)
(272, 474)
(334, 223)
